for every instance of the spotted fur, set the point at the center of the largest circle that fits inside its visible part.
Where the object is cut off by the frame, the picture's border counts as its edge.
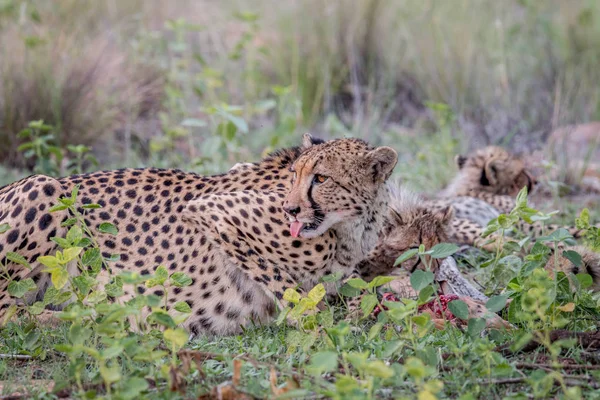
(228, 232)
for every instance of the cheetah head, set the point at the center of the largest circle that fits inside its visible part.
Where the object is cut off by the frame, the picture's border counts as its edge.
(409, 224)
(493, 170)
(339, 180)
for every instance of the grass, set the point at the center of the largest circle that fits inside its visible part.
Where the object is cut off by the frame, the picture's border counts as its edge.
(200, 85)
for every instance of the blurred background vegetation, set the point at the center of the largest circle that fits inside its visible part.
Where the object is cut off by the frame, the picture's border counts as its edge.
(200, 85)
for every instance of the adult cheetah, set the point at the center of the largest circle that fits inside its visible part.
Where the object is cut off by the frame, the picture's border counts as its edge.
(227, 231)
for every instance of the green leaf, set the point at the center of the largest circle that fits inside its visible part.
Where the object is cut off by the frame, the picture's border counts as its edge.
(317, 293)
(69, 222)
(585, 280)
(91, 206)
(496, 303)
(162, 318)
(111, 352)
(92, 258)
(49, 261)
(132, 388)
(357, 283)
(425, 294)
(19, 288)
(407, 255)
(583, 222)
(183, 307)
(75, 234)
(177, 337)
(573, 256)
(323, 361)
(58, 207)
(292, 296)
(443, 250)
(4, 227)
(419, 279)
(160, 276)
(36, 308)
(71, 253)
(375, 330)
(380, 281)
(180, 279)
(17, 259)
(368, 303)
(459, 309)
(378, 369)
(110, 375)
(475, 326)
(108, 228)
(348, 291)
(59, 277)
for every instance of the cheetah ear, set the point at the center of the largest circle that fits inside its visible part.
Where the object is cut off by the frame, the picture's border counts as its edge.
(489, 175)
(460, 161)
(382, 161)
(444, 215)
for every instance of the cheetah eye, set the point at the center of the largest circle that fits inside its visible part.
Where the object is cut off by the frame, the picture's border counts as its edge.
(320, 178)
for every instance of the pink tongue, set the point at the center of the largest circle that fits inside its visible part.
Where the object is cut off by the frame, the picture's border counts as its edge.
(295, 228)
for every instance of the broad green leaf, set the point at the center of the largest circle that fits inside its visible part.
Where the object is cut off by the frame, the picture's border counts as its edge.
(111, 352)
(75, 234)
(69, 222)
(92, 258)
(160, 276)
(573, 256)
(17, 259)
(443, 250)
(368, 303)
(110, 374)
(585, 280)
(162, 318)
(49, 261)
(459, 309)
(58, 207)
(375, 330)
(71, 253)
(108, 228)
(182, 307)
(407, 255)
(36, 308)
(357, 283)
(323, 361)
(132, 388)
(292, 296)
(317, 293)
(4, 227)
(380, 281)
(475, 326)
(419, 279)
(180, 279)
(348, 291)
(59, 277)
(19, 288)
(177, 337)
(496, 303)
(378, 369)
(425, 294)
(336, 276)
(31, 341)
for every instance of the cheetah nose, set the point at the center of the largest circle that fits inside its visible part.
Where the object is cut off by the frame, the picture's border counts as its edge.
(292, 210)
